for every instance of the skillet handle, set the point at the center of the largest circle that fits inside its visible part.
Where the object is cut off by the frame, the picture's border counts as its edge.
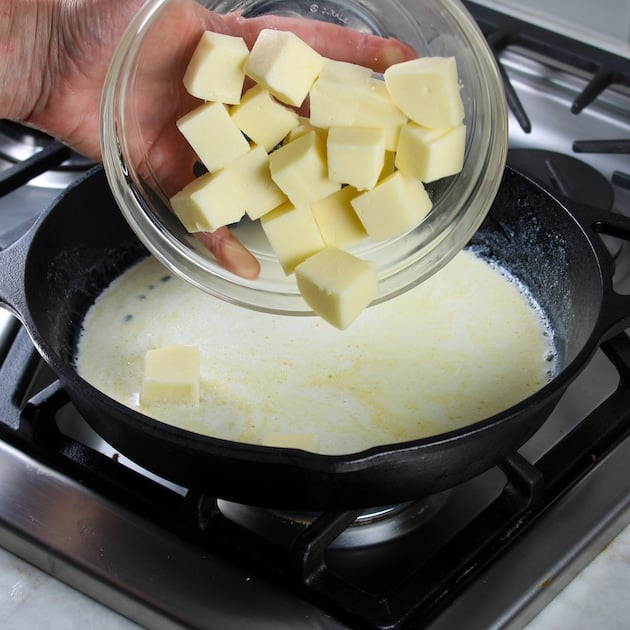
(615, 311)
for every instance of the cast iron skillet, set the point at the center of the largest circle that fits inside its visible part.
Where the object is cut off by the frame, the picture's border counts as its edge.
(51, 276)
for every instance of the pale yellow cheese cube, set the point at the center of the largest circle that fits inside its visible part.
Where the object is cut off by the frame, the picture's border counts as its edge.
(300, 170)
(209, 202)
(355, 155)
(262, 118)
(427, 90)
(337, 221)
(306, 441)
(344, 72)
(431, 154)
(171, 374)
(213, 135)
(216, 68)
(337, 285)
(394, 206)
(284, 64)
(257, 192)
(293, 234)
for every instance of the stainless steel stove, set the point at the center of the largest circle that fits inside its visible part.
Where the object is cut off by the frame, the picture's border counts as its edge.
(511, 538)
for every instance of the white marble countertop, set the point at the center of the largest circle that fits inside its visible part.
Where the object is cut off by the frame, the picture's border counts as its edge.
(596, 598)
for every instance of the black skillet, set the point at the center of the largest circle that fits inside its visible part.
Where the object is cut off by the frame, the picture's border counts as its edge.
(51, 276)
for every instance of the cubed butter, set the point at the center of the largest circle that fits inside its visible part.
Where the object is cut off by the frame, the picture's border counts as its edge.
(209, 202)
(216, 69)
(171, 374)
(395, 205)
(284, 64)
(300, 170)
(337, 285)
(305, 441)
(262, 118)
(213, 135)
(337, 221)
(427, 90)
(292, 233)
(355, 155)
(252, 180)
(431, 154)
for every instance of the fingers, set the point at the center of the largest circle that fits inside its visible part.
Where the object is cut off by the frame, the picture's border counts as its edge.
(230, 253)
(330, 40)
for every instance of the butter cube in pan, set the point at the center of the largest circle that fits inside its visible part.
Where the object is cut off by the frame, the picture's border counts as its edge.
(337, 221)
(337, 285)
(355, 155)
(300, 170)
(292, 233)
(213, 135)
(171, 374)
(209, 202)
(430, 154)
(216, 69)
(395, 205)
(427, 90)
(284, 64)
(263, 119)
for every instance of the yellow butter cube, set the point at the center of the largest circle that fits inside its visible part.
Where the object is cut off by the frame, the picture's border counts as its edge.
(171, 374)
(355, 155)
(431, 154)
(216, 69)
(344, 72)
(209, 202)
(293, 234)
(300, 170)
(337, 285)
(305, 441)
(427, 90)
(258, 193)
(263, 119)
(337, 221)
(213, 135)
(284, 64)
(395, 205)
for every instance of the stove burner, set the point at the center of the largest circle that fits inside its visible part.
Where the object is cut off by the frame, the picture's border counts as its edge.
(564, 175)
(371, 527)
(19, 143)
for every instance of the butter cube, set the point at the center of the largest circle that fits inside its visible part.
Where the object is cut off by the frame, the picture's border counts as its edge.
(394, 206)
(284, 64)
(258, 193)
(302, 128)
(427, 90)
(216, 68)
(337, 221)
(209, 202)
(337, 285)
(213, 135)
(305, 441)
(300, 170)
(355, 155)
(344, 72)
(293, 234)
(431, 154)
(263, 119)
(171, 374)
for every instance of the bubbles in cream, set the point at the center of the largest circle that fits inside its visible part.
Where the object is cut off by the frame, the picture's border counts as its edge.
(462, 346)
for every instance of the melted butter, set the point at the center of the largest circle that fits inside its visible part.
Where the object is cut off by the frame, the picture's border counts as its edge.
(462, 346)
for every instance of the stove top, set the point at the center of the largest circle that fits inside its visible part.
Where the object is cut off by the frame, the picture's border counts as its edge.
(512, 537)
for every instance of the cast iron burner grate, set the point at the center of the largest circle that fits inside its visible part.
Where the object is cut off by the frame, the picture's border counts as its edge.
(30, 402)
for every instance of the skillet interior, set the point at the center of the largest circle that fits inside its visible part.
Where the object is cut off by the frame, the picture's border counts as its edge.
(84, 243)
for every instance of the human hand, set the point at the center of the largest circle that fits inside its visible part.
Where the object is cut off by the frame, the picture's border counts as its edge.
(53, 80)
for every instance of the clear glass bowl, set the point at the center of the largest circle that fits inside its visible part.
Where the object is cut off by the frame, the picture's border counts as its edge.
(147, 160)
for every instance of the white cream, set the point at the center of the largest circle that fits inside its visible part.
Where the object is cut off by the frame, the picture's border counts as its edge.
(460, 347)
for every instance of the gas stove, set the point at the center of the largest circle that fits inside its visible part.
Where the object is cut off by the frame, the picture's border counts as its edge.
(512, 538)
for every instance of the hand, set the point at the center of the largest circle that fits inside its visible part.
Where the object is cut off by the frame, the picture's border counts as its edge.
(55, 55)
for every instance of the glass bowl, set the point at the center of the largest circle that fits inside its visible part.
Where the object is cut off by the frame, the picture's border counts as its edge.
(147, 160)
